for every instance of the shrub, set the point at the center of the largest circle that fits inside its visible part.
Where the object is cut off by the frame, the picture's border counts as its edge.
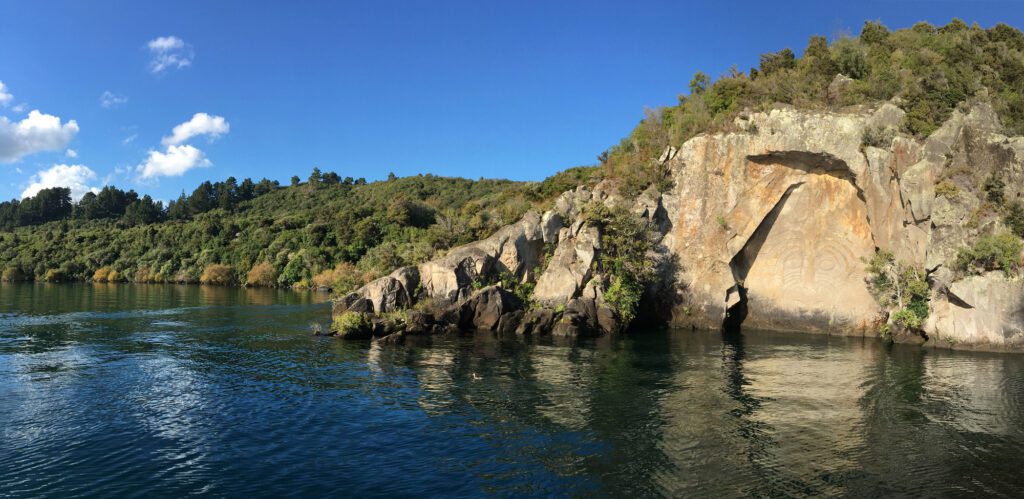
(343, 278)
(12, 274)
(217, 274)
(992, 252)
(878, 137)
(114, 276)
(993, 188)
(350, 322)
(947, 189)
(901, 287)
(262, 275)
(1015, 218)
(101, 275)
(145, 274)
(625, 243)
(55, 275)
(908, 318)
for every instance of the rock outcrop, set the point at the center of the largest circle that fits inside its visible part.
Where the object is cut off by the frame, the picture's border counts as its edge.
(770, 225)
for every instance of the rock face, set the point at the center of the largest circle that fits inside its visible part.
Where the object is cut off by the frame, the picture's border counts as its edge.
(985, 310)
(769, 226)
(778, 221)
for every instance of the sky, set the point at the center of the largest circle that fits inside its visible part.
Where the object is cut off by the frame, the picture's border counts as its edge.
(160, 96)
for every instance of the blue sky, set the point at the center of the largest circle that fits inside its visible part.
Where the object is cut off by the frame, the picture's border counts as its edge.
(479, 88)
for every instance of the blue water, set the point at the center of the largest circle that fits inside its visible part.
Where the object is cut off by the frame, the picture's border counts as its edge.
(146, 390)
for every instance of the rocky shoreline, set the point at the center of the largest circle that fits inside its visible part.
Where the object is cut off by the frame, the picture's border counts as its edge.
(769, 227)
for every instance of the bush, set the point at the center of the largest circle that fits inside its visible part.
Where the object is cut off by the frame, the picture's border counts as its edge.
(993, 252)
(993, 188)
(350, 322)
(908, 318)
(101, 274)
(114, 276)
(901, 287)
(12, 274)
(1015, 218)
(947, 189)
(878, 137)
(55, 275)
(217, 274)
(262, 275)
(342, 279)
(623, 259)
(145, 274)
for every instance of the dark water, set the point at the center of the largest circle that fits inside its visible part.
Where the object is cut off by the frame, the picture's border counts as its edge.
(111, 390)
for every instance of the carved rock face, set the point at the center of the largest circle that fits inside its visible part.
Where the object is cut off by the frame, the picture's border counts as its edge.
(809, 272)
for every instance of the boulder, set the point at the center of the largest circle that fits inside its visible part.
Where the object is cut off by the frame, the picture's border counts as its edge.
(392, 292)
(485, 308)
(536, 321)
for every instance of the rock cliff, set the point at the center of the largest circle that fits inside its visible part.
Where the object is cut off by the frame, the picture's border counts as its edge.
(769, 226)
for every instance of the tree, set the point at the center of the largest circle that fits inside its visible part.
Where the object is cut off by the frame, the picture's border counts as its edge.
(699, 83)
(331, 178)
(217, 274)
(773, 62)
(262, 274)
(295, 181)
(314, 178)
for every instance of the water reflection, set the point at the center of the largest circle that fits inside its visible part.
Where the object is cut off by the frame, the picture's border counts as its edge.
(174, 390)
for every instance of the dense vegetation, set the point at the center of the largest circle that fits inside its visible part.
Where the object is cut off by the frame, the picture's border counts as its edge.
(328, 231)
(930, 70)
(901, 289)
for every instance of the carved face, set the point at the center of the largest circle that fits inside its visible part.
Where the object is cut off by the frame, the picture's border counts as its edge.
(810, 270)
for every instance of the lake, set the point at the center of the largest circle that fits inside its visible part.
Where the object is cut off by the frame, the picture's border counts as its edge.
(154, 390)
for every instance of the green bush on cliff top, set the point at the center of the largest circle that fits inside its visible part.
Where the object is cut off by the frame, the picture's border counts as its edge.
(993, 252)
(931, 69)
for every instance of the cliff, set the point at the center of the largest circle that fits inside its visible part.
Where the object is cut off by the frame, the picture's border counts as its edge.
(770, 226)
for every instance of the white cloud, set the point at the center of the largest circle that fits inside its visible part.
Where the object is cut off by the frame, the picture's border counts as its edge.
(5, 95)
(20, 108)
(38, 132)
(129, 139)
(110, 100)
(75, 177)
(176, 161)
(71, 153)
(200, 124)
(169, 52)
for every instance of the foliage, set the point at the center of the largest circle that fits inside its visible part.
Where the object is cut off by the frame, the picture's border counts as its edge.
(217, 274)
(900, 287)
(11, 274)
(301, 231)
(992, 252)
(343, 278)
(1015, 218)
(625, 242)
(931, 70)
(908, 318)
(262, 274)
(994, 189)
(947, 188)
(878, 136)
(101, 274)
(350, 322)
